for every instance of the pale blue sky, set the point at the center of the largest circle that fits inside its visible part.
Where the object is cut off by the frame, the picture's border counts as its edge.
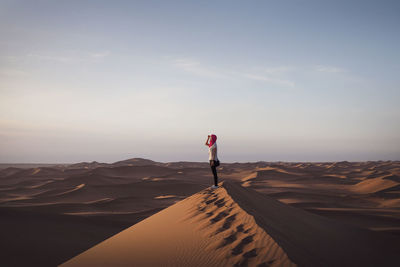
(274, 80)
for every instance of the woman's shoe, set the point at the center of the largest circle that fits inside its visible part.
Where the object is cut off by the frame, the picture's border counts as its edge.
(214, 186)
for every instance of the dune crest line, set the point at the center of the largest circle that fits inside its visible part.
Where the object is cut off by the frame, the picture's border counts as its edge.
(206, 229)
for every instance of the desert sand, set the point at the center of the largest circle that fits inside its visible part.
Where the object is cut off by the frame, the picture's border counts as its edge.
(139, 212)
(206, 229)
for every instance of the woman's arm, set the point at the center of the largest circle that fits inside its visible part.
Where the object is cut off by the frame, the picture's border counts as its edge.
(208, 138)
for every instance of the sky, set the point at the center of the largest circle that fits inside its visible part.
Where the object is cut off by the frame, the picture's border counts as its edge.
(274, 80)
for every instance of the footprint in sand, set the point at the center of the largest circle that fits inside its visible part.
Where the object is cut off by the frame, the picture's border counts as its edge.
(239, 248)
(227, 223)
(220, 203)
(219, 216)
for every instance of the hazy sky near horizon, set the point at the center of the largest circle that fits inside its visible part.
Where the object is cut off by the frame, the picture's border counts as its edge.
(274, 80)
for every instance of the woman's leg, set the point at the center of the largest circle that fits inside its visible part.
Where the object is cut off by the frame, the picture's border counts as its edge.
(214, 171)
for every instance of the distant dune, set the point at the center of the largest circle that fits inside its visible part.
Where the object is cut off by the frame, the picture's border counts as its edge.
(268, 213)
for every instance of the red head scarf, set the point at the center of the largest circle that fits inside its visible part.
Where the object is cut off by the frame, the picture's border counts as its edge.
(213, 139)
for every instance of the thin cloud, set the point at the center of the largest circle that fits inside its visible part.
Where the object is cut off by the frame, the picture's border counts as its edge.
(185, 62)
(70, 58)
(100, 55)
(278, 70)
(269, 79)
(329, 69)
(272, 75)
(13, 73)
(195, 67)
(54, 58)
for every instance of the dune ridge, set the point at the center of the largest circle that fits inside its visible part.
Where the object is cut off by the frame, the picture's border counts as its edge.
(313, 240)
(206, 229)
(237, 226)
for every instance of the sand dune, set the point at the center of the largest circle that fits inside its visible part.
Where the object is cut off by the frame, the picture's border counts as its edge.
(374, 185)
(311, 240)
(234, 226)
(205, 229)
(67, 219)
(76, 188)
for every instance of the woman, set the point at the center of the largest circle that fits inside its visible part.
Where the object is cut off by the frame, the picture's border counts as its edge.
(213, 157)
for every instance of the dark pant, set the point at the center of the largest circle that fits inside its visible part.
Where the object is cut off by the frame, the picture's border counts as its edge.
(214, 171)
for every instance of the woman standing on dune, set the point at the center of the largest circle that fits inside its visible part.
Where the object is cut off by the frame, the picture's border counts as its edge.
(213, 157)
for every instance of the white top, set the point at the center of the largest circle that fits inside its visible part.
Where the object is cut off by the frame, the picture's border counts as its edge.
(216, 152)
